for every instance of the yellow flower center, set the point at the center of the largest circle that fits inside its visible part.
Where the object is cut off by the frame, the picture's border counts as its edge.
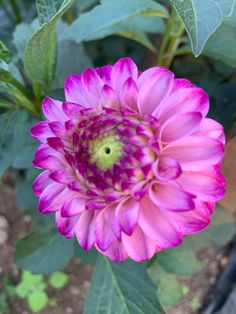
(106, 151)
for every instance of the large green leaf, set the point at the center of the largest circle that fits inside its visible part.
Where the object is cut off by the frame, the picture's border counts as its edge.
(134, 28)
(232, 19)
(48, 8)
(22, 33)
(121, 288)
(12, 125)
(202, 18)
(179, 260)
(74, 54)
(40, 51)
(109, 14)
(219, 46)
(23, 159)
(42, 251)
(87, 257)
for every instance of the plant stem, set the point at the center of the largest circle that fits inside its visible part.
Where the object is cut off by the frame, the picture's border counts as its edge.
(16, 10)
(171, 40)
(23, 89)
(170, 53)
(5, 104)
(165, 39)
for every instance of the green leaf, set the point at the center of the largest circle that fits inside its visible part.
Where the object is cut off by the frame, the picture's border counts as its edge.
(220, 232)
(232, 19)
(74, 54)
(108, 14)
(37, 301)
(22, 33)
(179, 260)
(121, 288)
(58, 280)
(9, 287)
(202, 18)
(219, 46)
(40, 51)
(22, 290)
(29, 283)
(25, 199)
(84, 5)
(5, 53)
(30, 279)
(170, 289)
(87, 257)
(42, 251)
(134, 28)
(25, 156)
(47, 9)
(3, 303)
(12, 125)
(5, 74)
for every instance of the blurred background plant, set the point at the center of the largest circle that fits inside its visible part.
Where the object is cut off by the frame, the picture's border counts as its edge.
(44, 41)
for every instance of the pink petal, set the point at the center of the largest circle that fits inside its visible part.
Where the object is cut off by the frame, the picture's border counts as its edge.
(52, 110)
(64, 176)
(41, 131)
(121, 71)
(128, 94)
(195, 152)
(66, 226)
(208, 186)
(73, 207)
(166, 168)
(51, 198)
(58, 128)
(181, 83)
(170, 197)
(108, 98)
(154, 86)
(76, 93)
(105, 74)
(46, 157)
(127, 213)
(211, 128)
(41, 182)
(104, 233)
(194, 220)
(72, 110)
(56, 143)
(158, 225)
(92, 82)
(85, 231)
(115, 252)
(179, 126)
(181, 101)
(138, 246)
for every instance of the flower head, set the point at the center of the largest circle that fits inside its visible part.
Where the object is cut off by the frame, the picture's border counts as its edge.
(131, 162)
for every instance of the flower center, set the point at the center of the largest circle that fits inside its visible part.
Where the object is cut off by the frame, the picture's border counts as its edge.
(105, 152)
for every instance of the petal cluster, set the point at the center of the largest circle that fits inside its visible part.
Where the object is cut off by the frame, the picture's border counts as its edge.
(131, 163)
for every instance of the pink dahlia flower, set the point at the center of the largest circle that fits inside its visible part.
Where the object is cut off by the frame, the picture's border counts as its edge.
(131, 162)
